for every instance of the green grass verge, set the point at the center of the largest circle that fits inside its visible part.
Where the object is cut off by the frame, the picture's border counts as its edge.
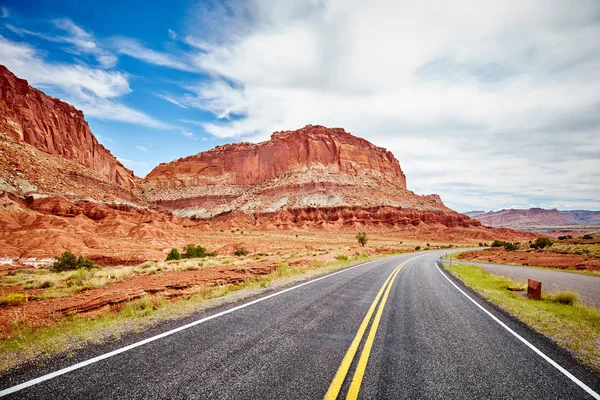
(574, 327)
(455, 257)
(25, 344)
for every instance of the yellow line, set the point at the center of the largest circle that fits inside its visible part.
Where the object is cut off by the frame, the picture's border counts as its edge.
(364, 356)
(340, 376)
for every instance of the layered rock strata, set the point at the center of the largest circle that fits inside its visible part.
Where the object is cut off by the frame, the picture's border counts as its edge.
(311, 167)
(28, 117)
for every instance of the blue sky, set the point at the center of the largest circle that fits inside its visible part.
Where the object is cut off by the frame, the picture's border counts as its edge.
(490, 105)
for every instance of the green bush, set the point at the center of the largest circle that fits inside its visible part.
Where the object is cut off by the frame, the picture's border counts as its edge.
(566, 297)
(565, 237)
(508, 246)
(68, 261)
(173, 255)
(417, 248)
(241, 252)
(341, 257)
(192, 251)
(587, 237)
(541, 243)
(362, 238)
(12, 299)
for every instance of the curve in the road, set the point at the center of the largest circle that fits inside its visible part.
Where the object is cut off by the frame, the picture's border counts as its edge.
(430, 341)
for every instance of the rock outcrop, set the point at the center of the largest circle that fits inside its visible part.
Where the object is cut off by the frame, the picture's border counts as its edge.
(536, 217)
(28, 117)
(311, 167)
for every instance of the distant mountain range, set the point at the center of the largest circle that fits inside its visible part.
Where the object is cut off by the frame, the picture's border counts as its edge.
(537, 217)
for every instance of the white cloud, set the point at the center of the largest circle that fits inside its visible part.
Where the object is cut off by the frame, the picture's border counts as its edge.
(172, 34)
(92, 90)
(171, 100)
(141, 148)
(26, 62)
(135, 49)
(187, 134)
(81, 41)
(4, 13)
(499, 96)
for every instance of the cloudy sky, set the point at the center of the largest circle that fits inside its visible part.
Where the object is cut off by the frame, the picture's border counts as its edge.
(490, 104)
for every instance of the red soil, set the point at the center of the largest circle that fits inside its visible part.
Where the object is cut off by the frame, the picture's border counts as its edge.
(534, 258)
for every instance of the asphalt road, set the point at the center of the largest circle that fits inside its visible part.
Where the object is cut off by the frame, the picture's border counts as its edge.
(587, 286)
(431, 341)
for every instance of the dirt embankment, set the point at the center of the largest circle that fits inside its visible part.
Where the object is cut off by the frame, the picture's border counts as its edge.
(534, 258)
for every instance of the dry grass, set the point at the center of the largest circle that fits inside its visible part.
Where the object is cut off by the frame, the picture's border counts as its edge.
(27, 344)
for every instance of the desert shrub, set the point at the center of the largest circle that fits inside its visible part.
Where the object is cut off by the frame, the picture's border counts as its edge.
(173, 255)
(341, 257)
(565, 237)
(192, 251)
(566, 297)
(12, 299)
(427, 245)
(480, 244)
(68, 261)
(508, 246)
(362, 238)
(417, 248)
(241, 252)
(541, 243)
(80, 277)
(587, 237)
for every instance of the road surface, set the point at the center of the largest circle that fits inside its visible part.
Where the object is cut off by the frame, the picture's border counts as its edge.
(587, 286)
(423, 337)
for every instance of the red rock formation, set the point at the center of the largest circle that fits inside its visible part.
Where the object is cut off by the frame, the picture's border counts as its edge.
(526, 218)
(313, 166)
(30, 117)
(288, 152)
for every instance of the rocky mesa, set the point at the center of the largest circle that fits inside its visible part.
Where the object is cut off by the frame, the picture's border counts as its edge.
(311, 167)
(47, 146)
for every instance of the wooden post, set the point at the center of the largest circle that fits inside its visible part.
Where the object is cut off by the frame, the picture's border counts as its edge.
(534, 289)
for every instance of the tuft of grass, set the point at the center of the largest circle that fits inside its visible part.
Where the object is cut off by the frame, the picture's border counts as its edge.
(12, 299)
(573, 326)
(341, 257)
(566, 297)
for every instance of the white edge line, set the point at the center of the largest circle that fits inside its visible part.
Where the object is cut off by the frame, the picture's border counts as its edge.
(94, 360)
(569, 375)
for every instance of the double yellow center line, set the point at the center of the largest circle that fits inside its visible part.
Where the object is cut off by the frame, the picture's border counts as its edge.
(340, 376)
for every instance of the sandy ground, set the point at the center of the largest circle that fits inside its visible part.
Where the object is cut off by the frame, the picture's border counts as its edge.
(170, 281)
(535, 258)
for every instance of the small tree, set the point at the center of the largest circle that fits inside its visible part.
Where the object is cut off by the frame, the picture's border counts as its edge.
(68, 261)
(362, 238)
(173, 255)
(587, 236)
(417, 248)
(541, 242)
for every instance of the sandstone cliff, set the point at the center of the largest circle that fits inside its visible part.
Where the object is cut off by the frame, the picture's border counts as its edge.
(53, 127)
(311, 167)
